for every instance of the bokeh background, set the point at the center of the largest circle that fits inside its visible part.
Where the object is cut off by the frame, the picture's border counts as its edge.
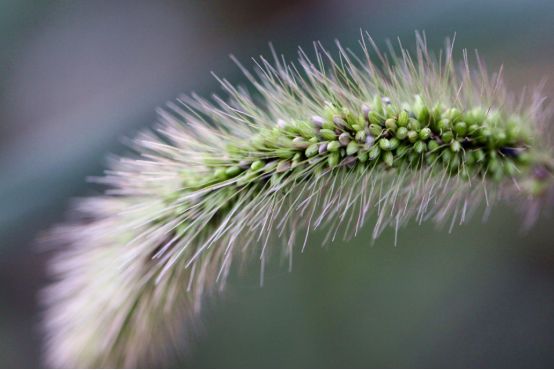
(77, 76)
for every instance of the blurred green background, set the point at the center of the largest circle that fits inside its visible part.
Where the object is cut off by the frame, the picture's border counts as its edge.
(77, 76)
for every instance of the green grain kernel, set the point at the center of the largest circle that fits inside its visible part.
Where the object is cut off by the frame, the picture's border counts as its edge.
(402, 133)
(219, 173)
(455, 146)
(443, 124)
(394, 142)
(473, 129)
(420, 147)
(425, 133)
(333, 146)
(327, 134)
(403, 119)
(374, 152)
(447, 136)
(312, 150)
(233, 171)
(375, 130)
(257, 165)
(351, 148)
(388, 158)
(333, 159)
(375, 118)
(412, 136)
(328, 125)
(414, 124)
(384, 144)
(391, 124)
(433, 145)
(363, 156)
(460, 128)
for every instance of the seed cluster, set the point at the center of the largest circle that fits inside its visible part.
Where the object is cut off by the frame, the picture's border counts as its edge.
(474, 142)
(326, 144)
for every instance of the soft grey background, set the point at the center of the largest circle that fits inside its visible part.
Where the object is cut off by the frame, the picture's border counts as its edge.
(76, 76)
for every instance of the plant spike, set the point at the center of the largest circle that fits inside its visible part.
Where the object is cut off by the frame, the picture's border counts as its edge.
(319, 145)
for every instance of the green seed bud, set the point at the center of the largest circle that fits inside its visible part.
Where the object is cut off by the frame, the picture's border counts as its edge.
(443, 124)
(425, 133)
(384, 144)
(333, 159)
(312, 150)
(447, 136)
(403, 119)
(357, 127)
(305, 129)
(374, 152)
(333, 146)
(375, 130)
(391, 110)
(328, 125)
(388, 158)
(391, 124)
(402, 133)
(479, 156)
(360, 136)
(374, 118)
(233, 171)
(473, 129)
(257, 165)
(454, 114)
(455, 146)
(460, 128)
(412, 136)
(363, 157)
(433, 145)
(420, 147)
(394, 142)
(414, 124)
(351, 148)
(327, 134)
(284, 153)
(219, 173)
(423, 115)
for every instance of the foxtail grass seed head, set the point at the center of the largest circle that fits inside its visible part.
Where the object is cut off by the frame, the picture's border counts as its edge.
(329, 143)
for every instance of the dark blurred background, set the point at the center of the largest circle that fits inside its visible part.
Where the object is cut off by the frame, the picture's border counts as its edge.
(77, 76)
